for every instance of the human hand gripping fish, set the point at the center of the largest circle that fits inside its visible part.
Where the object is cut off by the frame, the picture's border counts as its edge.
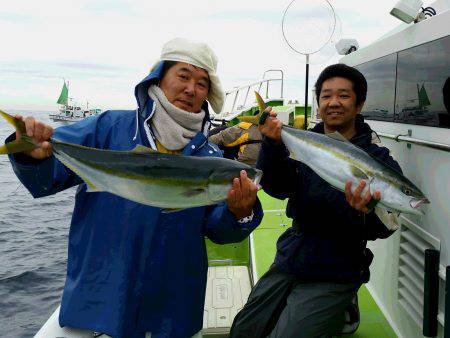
(341, 163)
(143, 175)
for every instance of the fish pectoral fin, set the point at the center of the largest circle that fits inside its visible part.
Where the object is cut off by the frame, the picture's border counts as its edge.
(389, 211)
(388, 217)
(193, 192)
(338, 136)
(358, 173)
(140, 149)
(25, 143)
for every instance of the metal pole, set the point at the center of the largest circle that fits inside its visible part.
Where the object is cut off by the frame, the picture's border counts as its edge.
(306, 92)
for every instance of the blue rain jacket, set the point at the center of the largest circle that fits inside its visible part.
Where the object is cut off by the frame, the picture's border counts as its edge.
(132, 269)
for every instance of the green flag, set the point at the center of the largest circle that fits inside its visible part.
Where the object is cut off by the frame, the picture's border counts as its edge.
(64, 95)
(423, 97)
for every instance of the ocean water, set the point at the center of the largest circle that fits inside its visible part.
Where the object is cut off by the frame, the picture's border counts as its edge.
(33, 248)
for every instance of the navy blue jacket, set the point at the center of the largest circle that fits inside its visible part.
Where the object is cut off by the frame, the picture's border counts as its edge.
(131, 268)
(327, 242)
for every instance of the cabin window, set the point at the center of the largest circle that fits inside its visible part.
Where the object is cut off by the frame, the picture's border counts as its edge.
(423, 84)
(380, 76)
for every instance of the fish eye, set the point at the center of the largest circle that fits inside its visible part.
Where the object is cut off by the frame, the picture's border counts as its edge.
(407, 191)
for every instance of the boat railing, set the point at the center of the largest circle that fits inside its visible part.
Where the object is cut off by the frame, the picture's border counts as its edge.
(240, 99)
(408, 139)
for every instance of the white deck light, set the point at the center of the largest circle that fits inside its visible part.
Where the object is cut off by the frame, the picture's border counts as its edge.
(346, 46)
(407, 10)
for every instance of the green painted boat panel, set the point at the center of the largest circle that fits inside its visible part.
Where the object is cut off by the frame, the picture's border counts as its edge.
(300, 110)
(270, 203)
(265, 248)
(238, 253)
(228, 254)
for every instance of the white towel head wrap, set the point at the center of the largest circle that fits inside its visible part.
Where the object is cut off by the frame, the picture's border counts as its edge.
(200, 55)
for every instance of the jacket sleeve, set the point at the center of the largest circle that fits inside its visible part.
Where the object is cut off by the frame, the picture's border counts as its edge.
(279, 171)
(49, 176)
(222, 227)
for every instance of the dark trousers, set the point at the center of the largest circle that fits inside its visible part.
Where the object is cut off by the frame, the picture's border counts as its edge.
(280, 306)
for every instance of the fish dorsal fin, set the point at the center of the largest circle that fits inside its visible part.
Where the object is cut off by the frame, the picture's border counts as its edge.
(140, 149)
(338, 136)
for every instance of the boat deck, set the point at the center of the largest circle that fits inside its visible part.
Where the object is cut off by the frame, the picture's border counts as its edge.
(373, 323)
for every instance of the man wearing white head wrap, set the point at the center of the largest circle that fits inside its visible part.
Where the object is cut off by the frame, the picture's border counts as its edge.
(189, 77)
(134, 270)
(200, 55)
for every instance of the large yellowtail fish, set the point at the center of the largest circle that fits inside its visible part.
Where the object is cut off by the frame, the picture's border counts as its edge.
(142, 175)
(337, 161)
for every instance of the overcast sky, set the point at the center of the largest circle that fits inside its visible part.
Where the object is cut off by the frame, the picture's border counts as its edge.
(104, 47)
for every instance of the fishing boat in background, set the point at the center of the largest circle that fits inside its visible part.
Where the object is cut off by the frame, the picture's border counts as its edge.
(69, 110)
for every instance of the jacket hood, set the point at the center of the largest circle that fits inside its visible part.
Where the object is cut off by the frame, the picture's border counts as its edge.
(145, 103)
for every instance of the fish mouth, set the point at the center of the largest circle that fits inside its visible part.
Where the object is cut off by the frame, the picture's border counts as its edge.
(416, 203)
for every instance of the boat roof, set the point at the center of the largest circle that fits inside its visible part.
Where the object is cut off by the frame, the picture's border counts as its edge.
(405, 36)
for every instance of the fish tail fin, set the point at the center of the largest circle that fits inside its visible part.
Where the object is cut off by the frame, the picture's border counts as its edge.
(18, 124)
(262, 116)
(25, 143)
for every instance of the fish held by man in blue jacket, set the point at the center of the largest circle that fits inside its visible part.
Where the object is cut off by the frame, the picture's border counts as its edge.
(143, 175)
(337, 160)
